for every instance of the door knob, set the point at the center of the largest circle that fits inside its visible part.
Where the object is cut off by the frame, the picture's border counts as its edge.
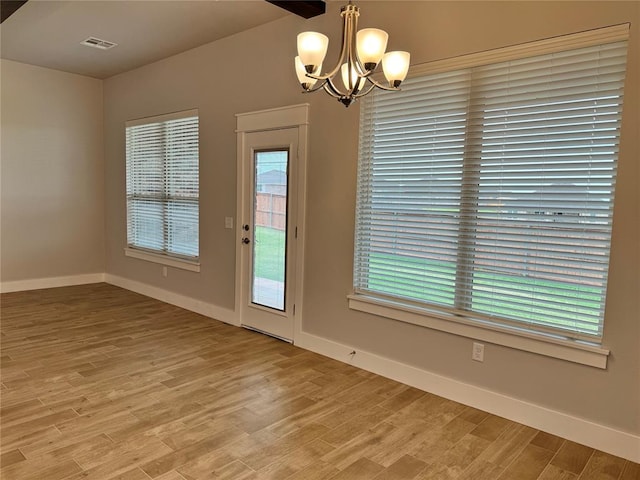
(245, 227)
(245, 240)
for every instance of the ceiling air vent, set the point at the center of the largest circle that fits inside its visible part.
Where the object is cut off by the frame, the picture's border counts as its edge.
(98, 43)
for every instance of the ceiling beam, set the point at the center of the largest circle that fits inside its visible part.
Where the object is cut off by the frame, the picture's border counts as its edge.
(302, 8)
(8, 8)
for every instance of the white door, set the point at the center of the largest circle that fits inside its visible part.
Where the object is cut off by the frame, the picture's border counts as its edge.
(268, 231)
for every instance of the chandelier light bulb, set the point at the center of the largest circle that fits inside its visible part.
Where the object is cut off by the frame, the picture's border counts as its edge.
(371, 44)
(395, 66)
(312, 48)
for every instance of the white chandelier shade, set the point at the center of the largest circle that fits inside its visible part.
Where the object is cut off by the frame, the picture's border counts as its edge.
(312, 47)
(362, 51)
(306, 81)
(395, 66)
(371, 44)
(351, 81)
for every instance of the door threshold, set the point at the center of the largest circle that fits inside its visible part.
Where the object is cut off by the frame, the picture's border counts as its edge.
(248, 327)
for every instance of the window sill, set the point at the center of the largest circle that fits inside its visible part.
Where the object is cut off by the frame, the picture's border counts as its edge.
(573, 351)
(192, 266)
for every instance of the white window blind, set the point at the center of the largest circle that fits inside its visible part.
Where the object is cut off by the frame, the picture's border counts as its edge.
(487, 191)
(163, 184)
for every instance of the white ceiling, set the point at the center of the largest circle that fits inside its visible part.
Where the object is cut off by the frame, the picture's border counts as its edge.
(48, 32)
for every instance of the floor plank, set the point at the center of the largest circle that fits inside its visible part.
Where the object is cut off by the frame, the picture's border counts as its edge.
(572, 457)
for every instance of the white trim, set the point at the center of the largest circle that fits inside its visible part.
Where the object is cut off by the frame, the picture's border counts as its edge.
(587, 38)
(601, 437)
(303, 138)
(240, 187)
(188, 303)
(184, 264)
(162, 118)
(273, 118)
(50, 282)
(573, 351)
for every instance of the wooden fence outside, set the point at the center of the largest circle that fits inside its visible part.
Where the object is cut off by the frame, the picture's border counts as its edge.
(271, 210)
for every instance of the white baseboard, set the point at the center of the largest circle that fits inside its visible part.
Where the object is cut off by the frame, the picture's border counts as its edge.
(51, 282)
(198, 306)
(576, 429)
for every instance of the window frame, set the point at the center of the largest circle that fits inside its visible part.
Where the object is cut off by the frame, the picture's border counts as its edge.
(466, 324)
(165, 257)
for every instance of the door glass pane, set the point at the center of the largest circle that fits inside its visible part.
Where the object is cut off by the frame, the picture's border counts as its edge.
(270, 228)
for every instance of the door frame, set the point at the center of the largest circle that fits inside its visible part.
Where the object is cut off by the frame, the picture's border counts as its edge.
(296, 117)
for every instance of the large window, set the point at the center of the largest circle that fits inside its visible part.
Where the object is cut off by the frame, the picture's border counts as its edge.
(162, 185)
(485, 189)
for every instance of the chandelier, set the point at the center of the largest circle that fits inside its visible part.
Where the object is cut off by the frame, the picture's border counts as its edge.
(360, 54)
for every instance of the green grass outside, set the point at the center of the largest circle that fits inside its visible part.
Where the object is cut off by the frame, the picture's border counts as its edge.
(268, 253)
(534, 293)
(439, 288)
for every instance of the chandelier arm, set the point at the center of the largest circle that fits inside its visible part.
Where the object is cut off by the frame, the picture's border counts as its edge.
(333, 90)
(354, 63)
(365, 92)
(350, 36)
(359, 66)
(381, 86)
(325, 77)
(343, 50)
(360, 70)
(316, 88)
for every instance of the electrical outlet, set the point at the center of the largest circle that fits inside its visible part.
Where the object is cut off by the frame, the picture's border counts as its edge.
(477, 353)
(164, 271)
(228, 222)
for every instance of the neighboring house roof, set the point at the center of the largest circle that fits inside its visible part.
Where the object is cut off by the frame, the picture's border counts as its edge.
(273, 177)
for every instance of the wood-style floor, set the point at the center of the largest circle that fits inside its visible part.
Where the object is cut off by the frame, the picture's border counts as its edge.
(100, 383)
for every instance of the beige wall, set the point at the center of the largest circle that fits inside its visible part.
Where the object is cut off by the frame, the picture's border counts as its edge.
(52, 197)
(217, 79)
